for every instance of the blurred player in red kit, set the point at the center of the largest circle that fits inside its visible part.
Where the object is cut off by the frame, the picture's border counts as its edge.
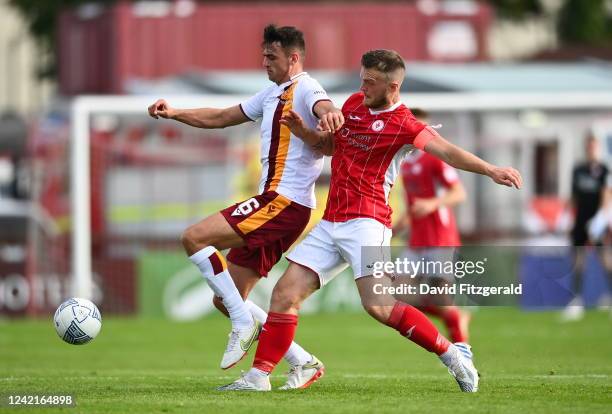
(432, 188)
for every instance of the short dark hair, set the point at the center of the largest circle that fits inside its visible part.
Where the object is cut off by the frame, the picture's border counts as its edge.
(384, 60)
(288, 36)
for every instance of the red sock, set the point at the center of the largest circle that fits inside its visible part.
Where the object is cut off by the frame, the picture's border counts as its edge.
(452, 320)
(414, 325)
(434, 310)
(274, 341)
(451, 315)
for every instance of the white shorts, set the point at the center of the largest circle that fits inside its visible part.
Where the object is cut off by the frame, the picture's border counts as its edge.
(329, 247)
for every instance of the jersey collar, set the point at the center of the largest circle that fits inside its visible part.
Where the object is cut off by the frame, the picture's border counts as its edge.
(382, 111)
(291, 79)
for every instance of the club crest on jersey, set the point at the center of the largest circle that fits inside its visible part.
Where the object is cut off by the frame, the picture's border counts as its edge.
(378, 125)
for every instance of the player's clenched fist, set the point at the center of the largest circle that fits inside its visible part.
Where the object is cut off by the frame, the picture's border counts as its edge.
(331, 121)
(161, 108)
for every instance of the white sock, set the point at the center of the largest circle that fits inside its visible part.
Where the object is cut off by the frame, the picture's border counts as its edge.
(257, 312)
(254, 374)
(296, 355)
(451, 356)
(214, 269)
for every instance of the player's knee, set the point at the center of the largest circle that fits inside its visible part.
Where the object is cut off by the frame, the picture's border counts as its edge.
(187, 239)
(378, 312)
(284, 299)
(194, 239)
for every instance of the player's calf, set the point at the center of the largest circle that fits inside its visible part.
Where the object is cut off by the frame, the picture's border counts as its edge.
(379, 312)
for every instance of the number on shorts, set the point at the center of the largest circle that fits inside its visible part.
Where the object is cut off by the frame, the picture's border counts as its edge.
(248, 206)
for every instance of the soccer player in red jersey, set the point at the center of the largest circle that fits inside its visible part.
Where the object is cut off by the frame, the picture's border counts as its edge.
(432, 188)
(378, 132)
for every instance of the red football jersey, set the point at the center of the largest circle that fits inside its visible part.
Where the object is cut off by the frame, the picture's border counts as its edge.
(369, 150)
(425, 176)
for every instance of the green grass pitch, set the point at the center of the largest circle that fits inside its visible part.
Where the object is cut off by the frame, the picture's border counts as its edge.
(529, 363)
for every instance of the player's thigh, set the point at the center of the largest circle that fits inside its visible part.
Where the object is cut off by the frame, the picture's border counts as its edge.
(296, 285)
(364, 244)
(319, 253)
(215, 231)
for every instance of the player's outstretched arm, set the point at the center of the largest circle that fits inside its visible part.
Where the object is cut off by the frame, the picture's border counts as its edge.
(208, 118)
(321, 141)
(464, 160)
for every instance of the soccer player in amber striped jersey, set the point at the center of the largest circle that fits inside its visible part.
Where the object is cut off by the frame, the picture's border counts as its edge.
(258, 230)
(378, 132)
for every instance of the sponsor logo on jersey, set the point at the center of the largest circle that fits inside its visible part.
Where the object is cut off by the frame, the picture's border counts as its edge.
(354, 118)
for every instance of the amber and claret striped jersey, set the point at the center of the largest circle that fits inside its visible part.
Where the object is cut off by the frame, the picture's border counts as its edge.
(425, 176)
(289, 166)
(370, 147)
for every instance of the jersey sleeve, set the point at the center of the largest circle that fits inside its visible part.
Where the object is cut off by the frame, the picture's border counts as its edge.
(252, 108)
(312, 94)
(415, 132)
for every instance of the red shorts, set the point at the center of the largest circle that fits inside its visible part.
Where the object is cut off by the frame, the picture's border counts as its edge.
(268, 223)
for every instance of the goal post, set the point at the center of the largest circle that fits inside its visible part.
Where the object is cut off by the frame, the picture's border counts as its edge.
(82, 108)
